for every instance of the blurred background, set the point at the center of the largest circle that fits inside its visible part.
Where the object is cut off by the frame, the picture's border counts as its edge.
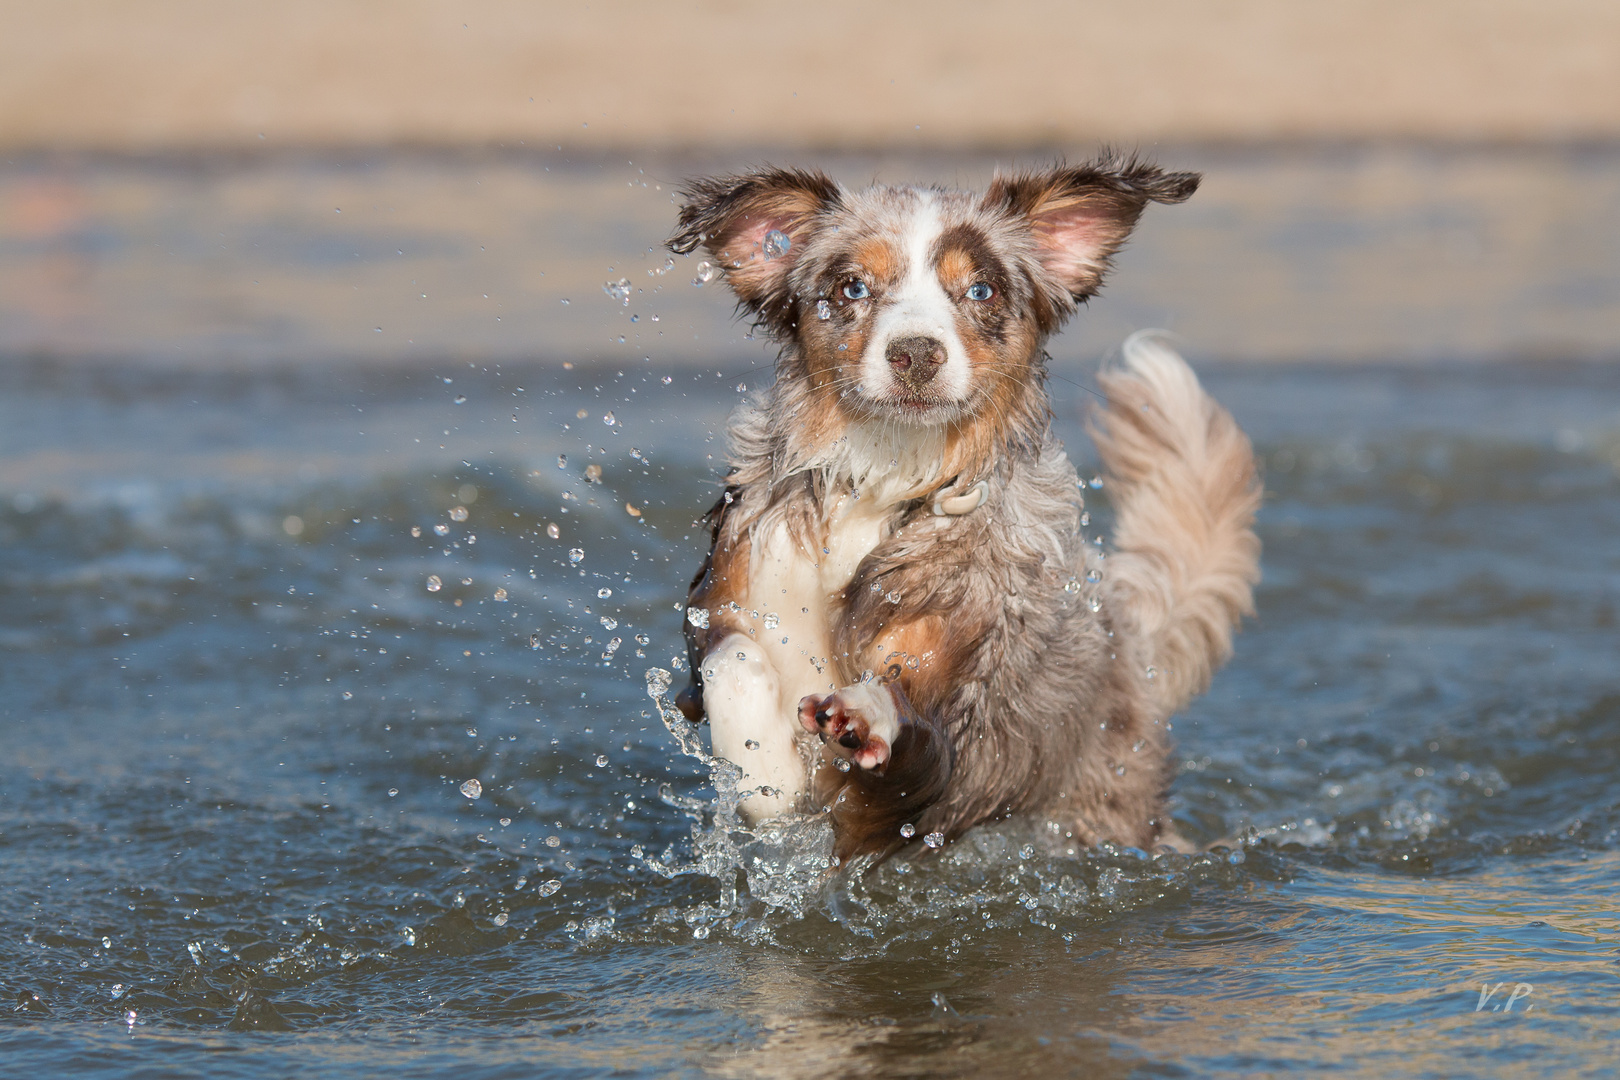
(199, 183)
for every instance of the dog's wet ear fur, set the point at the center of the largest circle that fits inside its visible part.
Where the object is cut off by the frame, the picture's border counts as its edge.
(729, 216)
(1080, 216)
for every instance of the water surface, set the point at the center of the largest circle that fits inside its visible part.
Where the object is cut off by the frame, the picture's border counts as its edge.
(239, 724)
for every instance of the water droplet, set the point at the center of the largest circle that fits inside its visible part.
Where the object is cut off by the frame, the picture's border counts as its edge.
(1095, 603)
(1085, 517)
(416, 530)
(772, 621)
(552, 530)
(576, 555)
(610, 623)
(935, 839)
(500, 920)
(461, 399)
(908, 830)
(348, 695)
(1094, 575)
(823, 310)
(392, 792)
(775, 244)
(643, 639)
(698, 617)
(619, 290)
(742, 388)
(472, 789)
(1152, 672)
(547, 888)
(553, 841)
(706, 272)
(1072, 585)
(562, 461)
(841, 764)
(500, 595)
(458, 513)
(667, 379)
(750, 744)
(603, 593)
(466, 581)
(1027, 851)
(106, 942)
(433, 583)
(657, 682)
(607, 418)
(441, 530)
(601, 760)
(1095, 483)
(1119, 770)
(700, 932)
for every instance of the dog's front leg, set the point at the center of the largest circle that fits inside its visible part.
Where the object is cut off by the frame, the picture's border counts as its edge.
(741, 694)
(889, 763)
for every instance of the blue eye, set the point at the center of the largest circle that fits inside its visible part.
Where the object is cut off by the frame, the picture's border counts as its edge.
(857, 290)
(980, 291)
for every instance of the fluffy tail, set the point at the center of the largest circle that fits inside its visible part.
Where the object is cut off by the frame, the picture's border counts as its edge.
(1185, 492)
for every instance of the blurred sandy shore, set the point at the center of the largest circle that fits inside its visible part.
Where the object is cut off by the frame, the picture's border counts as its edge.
(179, 74)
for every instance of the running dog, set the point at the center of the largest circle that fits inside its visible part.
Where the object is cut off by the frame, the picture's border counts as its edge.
(900, 623)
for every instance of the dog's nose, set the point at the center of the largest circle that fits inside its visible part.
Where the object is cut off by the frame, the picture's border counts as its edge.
(915, 359)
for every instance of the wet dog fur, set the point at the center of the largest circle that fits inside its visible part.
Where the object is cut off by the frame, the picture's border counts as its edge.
(901, 623)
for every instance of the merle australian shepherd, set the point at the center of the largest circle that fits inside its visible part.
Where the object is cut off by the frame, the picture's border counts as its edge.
(901, 623)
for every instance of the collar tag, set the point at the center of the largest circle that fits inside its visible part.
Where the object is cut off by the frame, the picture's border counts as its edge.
(965, 503)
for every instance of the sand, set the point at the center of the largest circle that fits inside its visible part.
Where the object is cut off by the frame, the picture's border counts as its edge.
(184, 74)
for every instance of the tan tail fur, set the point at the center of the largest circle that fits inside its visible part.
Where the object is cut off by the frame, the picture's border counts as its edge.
(1183, 484)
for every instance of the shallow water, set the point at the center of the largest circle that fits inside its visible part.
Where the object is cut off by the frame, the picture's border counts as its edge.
(237, 726)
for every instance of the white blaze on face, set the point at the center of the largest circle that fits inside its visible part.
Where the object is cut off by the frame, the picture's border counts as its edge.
(917, 307)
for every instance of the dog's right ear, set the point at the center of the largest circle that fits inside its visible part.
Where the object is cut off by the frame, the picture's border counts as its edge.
(755, 226)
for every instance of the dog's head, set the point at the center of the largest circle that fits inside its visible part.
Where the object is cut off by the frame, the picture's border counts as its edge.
(916, 304)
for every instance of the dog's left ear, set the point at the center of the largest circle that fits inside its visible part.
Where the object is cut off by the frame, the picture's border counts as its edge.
(756, 226)
(1080, 216)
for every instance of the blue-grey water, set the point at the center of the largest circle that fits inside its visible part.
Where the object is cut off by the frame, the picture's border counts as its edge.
(283, 445)
(238, 719)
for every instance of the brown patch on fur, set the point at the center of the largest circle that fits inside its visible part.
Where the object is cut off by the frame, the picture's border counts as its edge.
(877, 262)
(721, 581)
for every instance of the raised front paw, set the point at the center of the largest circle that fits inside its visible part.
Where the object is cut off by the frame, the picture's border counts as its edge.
(859, 722)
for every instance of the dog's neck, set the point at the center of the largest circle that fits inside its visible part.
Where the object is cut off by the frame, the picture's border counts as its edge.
(885, 463)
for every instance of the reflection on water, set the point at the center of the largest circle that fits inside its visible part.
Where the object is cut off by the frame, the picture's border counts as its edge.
(240, 727)
(1349, 253)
